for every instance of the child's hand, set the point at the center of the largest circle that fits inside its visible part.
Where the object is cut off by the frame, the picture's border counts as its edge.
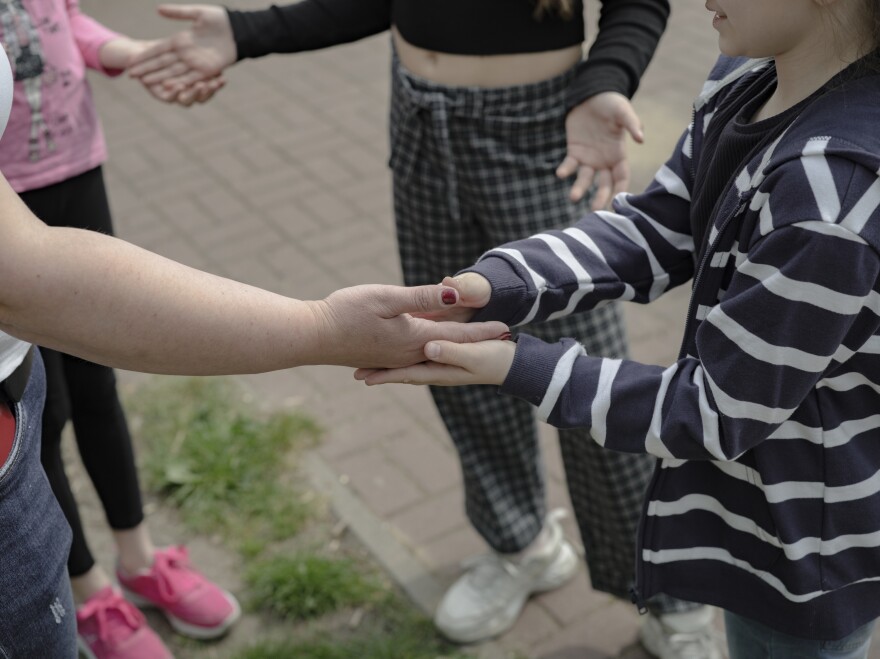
(474, 292)
(197, 92)
(452, 364)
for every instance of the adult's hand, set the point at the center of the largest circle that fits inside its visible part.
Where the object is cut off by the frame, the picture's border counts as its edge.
(596, 137)
(373, 326)
(193, 55)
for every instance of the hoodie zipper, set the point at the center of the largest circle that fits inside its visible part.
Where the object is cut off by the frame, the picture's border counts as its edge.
(637, 589)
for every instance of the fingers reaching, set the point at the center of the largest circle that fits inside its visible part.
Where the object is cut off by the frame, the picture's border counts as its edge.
(152, 59)
(568, 167)
(631, 122)
(174, 69)
(583, 183)
(180, 12)
(199, 92)
(602, 195)
(187, 78)
(452, 364)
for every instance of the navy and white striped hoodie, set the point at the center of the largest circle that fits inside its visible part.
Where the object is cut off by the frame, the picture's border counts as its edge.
(766, 500)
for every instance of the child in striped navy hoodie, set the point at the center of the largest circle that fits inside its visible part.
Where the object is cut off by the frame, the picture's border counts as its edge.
(766, 500)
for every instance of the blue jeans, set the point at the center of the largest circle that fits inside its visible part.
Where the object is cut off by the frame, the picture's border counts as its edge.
(747, 639)
(37, 616)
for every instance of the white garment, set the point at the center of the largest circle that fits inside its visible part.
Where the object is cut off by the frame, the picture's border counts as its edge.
(12, 351)
(5, 92)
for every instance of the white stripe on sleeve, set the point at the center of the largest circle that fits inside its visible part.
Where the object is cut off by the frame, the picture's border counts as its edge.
(561, 376)
(602, 401)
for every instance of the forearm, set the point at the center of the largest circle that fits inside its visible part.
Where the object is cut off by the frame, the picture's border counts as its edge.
(750, 367)
(111, 302)
(92, 38)
(307, 25)
(604, 257)
(629, 31)
(115, 55)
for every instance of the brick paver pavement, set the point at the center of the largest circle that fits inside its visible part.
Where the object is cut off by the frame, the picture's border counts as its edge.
(281, 182)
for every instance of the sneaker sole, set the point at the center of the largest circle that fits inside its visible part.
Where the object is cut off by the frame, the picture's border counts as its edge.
(565, 569)
(185, 628)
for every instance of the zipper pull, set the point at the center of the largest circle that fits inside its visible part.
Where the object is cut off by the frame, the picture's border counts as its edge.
(636, 598)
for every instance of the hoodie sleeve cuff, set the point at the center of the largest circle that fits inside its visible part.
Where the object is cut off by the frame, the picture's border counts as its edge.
(510, 301)
(533, 366)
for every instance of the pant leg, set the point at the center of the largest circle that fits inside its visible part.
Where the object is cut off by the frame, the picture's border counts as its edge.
(86, 392)
(56, 413)
(511, 186)
(103, 439)
(748, 639)
(495, 436)
(513, 189)
(36, 606)
(505, 153)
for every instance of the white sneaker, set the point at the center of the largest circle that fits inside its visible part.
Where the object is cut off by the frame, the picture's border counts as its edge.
(689, 635)
(488, 598)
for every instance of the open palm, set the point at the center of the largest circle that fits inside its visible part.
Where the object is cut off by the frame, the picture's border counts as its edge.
(196, 54)
(596, 146)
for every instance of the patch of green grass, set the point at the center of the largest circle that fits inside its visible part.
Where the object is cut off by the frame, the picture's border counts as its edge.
(217, 462)
(308, 586)
(397, 632)
(231, 472)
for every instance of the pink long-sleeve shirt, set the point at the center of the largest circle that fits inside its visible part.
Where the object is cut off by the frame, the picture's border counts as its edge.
(53, 132)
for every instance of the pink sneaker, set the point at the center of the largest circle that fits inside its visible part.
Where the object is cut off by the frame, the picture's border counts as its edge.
(194, 606)
(109, 627)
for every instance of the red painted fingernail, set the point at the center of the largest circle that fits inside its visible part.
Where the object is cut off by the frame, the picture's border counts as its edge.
(505, 337)
(449, 296)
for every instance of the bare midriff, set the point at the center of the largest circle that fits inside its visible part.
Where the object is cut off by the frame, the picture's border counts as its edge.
(484, 70)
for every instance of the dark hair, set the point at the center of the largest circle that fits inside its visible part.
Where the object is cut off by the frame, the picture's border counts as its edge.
(564, 8)
(871, 61)
(873, 7)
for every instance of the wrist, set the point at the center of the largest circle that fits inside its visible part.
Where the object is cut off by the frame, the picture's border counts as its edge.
(312, 328)
(116, 53)
(504, 362)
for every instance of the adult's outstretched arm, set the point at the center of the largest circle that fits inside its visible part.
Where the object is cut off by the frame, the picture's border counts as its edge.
(111, 302)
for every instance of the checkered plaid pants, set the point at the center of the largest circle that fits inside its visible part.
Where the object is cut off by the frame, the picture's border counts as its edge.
(472, 169)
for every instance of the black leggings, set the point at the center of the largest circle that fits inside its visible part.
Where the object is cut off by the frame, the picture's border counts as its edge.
(85, 392)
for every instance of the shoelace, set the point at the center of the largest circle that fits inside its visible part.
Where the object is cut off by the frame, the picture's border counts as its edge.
(101, 608)
(174, 560)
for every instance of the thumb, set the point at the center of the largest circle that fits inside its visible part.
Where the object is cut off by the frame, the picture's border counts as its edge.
(632, 123)
(568, 166)
(446, 352)
(473, 289)
(418, 299)
(181, 12)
